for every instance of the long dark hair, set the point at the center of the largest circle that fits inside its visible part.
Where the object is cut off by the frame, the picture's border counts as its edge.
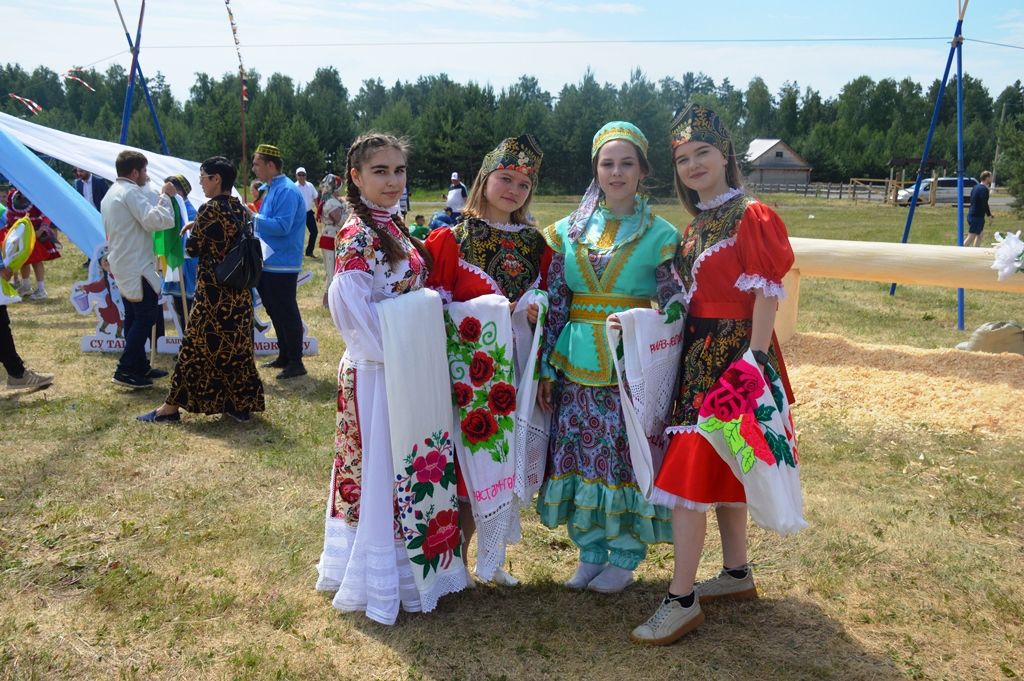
(360, 151)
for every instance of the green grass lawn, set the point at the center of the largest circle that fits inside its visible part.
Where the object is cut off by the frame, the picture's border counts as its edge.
(135, 551)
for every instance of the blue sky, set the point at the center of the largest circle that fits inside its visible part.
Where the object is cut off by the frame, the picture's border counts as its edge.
(422, 37)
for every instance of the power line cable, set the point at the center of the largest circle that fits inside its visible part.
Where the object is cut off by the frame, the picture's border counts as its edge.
(989, 42)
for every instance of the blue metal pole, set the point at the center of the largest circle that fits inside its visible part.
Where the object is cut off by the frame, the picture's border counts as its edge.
(129, 94)
(912, 207)
(959, 171)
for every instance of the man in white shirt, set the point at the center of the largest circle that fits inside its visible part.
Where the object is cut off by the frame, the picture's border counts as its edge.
(308, 192)
(131, 213)
(456, 198)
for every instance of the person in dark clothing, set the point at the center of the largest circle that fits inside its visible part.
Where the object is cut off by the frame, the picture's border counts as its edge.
(978, 210)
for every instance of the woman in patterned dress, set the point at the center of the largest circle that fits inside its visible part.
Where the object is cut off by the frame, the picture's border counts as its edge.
(493, 249)
(216, 370)
(364, 560)
(730, 267)
(611, 255)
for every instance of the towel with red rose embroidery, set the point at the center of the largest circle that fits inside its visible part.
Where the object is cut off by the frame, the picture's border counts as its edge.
(480, 361)
(747, 419)
(421, 445)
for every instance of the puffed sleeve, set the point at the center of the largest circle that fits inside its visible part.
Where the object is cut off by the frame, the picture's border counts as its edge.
(764, 252)
(545, 265)
(444, 250)
(350, 296)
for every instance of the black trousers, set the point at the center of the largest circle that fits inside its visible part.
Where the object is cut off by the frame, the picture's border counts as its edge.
(8, 354)
(277, 290)
(311, 228)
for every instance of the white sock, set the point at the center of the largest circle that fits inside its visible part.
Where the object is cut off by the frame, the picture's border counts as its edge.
(612, 579)
(584, 573)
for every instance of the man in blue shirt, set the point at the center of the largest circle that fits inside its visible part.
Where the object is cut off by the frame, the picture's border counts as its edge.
(978, 210)
(281, 224)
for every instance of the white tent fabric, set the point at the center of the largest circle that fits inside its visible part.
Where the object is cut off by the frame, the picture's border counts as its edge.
(98, 156)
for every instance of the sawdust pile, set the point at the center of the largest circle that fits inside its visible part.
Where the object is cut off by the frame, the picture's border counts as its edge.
(943, 390)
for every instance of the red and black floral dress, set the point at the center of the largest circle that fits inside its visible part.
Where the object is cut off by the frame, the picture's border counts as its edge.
(727, 253)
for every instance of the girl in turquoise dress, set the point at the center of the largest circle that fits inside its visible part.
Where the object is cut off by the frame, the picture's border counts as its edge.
(611, 254)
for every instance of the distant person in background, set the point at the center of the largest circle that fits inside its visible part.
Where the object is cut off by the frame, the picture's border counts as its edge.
(979, 210)
(404, 204)
(441, 218)
(18, 376)
(92, 188)
(456, 196)
(419, 228)
(335, 213)
(216, 368)
(47, 246)
(308, 192)
(131, 213)
(187, 272)
(257, 190)
(279, 224)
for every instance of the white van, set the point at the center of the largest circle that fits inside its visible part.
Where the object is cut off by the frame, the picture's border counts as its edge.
(945, 192)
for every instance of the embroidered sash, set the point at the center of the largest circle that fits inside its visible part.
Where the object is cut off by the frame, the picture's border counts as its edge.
(647, 354)
(421, 445)
(747, 419)
(530, 443)
(480, 361)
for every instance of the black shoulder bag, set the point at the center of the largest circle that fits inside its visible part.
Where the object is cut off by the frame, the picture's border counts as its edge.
(243, 263)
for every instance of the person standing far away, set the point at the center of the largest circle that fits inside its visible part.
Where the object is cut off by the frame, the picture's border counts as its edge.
(308, 192)
(978, 210)
(456, 197)
(279, 224)
(92, 188)
(131, 213)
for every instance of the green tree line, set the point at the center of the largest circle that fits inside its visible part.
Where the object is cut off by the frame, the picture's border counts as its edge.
(452, 125)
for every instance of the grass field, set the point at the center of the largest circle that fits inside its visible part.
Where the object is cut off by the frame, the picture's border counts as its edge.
(182, 552)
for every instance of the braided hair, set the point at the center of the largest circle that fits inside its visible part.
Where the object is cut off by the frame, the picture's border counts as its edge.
(359, 153)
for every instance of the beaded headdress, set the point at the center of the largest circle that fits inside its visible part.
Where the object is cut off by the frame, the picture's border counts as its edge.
(269, 150)
(521, 154)
(697, 123)
(618, 130)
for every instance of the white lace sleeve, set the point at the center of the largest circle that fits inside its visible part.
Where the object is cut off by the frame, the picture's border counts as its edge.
(771, 289)
(355, 315)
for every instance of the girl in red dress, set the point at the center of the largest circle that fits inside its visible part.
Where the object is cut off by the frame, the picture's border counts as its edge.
(47, 245)
(729, 268)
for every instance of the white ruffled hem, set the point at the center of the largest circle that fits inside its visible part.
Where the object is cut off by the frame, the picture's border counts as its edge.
(676, 430)
(751, 282)
(662, 498)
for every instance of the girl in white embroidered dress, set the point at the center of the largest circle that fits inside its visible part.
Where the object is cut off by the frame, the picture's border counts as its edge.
(364, 559)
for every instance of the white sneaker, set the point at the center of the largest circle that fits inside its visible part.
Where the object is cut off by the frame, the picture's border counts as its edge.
(38, 294)
(612, 580)
(584, 574)
(24, 288)
(669, 623)
(726, 587)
